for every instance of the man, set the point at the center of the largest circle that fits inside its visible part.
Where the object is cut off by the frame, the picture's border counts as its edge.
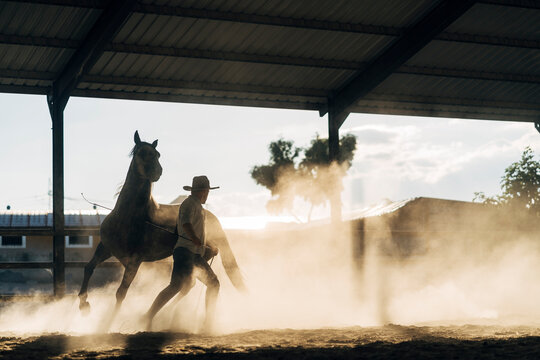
(190, 251)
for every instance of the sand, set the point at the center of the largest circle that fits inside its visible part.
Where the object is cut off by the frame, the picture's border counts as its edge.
(386, 342)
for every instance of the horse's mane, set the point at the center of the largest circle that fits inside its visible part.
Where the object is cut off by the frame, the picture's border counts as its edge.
(132, 152)
(121, 185)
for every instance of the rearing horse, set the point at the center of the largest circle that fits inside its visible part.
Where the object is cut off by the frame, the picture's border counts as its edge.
(139, 229)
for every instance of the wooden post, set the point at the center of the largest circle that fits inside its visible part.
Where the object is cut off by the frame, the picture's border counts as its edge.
(57, 114)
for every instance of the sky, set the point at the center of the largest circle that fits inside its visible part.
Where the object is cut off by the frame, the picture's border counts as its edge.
(397, 157)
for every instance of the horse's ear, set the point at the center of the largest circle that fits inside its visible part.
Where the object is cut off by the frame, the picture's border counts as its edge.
(154, 144)
(137, 138)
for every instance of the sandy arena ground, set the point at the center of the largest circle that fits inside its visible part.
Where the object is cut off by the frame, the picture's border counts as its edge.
(387, 342)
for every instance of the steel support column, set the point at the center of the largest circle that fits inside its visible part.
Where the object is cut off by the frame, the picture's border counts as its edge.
(57, 114)
(101, 34)
(334, 123)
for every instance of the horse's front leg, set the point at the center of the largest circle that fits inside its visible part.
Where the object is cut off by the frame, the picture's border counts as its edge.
(100, 255)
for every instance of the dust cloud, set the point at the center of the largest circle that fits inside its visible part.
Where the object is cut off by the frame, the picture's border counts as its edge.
(423, 263)
(451, 263)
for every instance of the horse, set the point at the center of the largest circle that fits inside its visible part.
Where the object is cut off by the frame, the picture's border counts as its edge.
(139, 229)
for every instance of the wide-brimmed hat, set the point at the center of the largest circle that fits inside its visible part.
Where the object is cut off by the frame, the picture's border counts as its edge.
(200, 183)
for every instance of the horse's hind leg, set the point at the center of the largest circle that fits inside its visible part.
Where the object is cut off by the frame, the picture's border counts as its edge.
(100, 255)
(129, 275)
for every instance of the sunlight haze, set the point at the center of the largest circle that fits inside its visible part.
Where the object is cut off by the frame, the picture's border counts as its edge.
(397, 157)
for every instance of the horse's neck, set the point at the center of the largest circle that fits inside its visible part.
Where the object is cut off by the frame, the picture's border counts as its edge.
(135, 198)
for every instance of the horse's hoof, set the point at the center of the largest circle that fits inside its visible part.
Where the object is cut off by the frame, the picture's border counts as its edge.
(84, 307)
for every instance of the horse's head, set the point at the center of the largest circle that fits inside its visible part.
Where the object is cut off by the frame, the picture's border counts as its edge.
(146, 159)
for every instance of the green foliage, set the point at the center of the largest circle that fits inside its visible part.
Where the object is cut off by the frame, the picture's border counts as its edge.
(282, 160)
(312, 178)
(318, 153)
(520, 185)
(315, 168)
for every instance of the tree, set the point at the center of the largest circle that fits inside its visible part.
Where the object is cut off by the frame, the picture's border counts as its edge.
(520, 185)
(313, 178)
(324, 178)
(282, 166)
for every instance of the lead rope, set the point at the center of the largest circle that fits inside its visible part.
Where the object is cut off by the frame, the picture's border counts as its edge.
(148, 222)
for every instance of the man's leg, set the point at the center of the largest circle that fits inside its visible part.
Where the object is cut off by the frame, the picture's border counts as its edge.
(181, 273)
(207, 276)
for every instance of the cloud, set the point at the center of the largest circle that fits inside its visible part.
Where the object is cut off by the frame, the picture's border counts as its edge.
(419, 158)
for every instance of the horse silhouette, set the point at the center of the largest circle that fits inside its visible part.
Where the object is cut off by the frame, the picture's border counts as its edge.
(139, 229)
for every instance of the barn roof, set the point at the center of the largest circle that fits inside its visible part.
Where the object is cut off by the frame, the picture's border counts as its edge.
(377, 56)
(44, 219)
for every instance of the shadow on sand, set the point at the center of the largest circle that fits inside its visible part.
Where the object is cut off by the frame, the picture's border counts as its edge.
(313, 344)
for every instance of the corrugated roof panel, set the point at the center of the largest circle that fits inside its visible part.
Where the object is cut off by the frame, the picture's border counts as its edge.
(24, 57)
(19, 219)
(59, 59)
(38, 219)
(147, 29)
(117, 64)
(486, 58)
(79, 218)
(404, 84)
(264, 39)
(467, 55)
(23, 82)
(5, 220)
(437, 107)
(496, 20)
(72, 219)
(53, 21)
(375, 12)
(90, 220)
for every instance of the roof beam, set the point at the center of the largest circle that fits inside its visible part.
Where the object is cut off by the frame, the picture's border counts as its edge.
(90, 49)
(168, 84)
(227, 56)
(195, 99)
(488, 40)
(265, 19)
(444, 36)
(469, 74)
(171, 83)
(234, 17)
(199, 85)
(526, 4)
(440, 17)
(372, 98)
(440, 100)
(232, 56)
(262, 89)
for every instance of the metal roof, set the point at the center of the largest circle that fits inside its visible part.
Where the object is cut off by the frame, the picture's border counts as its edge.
(42, 219)
(286, 54)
